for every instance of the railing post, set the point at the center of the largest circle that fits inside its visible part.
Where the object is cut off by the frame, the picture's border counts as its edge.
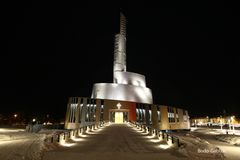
(178, 143)
(159, 135)
(58, 138)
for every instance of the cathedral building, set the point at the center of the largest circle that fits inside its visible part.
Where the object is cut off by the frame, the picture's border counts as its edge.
(126, 99)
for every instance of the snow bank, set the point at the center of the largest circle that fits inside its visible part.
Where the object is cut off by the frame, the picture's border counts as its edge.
(232, 139)
(195, 148)
(20, 144)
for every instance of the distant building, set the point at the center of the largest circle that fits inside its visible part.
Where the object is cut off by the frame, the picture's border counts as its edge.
(215, 121)
(126, 99)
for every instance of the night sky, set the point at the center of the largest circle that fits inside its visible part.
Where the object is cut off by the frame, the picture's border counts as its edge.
(189, 53)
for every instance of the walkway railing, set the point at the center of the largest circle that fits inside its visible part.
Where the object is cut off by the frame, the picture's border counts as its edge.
(64, 136)
(161, 135)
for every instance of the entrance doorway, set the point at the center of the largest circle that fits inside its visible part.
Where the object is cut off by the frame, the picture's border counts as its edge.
(118, 117)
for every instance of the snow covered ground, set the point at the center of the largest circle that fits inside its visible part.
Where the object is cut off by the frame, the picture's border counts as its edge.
(216, 137)
(196, 148)
(16, 144)
(215, 131)
(232, 139)
(207, 144)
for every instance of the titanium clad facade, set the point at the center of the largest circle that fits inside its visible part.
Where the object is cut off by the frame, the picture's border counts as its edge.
(126, 86)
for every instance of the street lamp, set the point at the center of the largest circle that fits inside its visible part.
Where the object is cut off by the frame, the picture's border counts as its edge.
(229, 124)
(15, 115)
(208, 122)
(221, 123)
(232, 119)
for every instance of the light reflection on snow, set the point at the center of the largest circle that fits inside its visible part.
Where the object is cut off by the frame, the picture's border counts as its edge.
(4, 130)
(139, 130)
(67, 144)
(144, 133)
(3, 142)
(94, 131)
(83, 135)
(150, 137)
(164, 146)
(77, 139)
(193, 128)
(90, 132)
(213, 132)
(155, 140)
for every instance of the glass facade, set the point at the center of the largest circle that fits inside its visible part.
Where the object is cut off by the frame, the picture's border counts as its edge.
(171, 117)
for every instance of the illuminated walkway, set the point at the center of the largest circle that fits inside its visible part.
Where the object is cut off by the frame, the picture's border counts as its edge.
(118, 142)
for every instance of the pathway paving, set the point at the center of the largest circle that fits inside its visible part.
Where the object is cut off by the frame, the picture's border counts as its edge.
(115, 142)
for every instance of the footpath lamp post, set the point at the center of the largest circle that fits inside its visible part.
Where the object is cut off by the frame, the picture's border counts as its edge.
(229, 124)
(221, 123)
(15, 118)
(208, 123)
(232, 119)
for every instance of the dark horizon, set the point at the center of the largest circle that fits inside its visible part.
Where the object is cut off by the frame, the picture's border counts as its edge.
(187, 53)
